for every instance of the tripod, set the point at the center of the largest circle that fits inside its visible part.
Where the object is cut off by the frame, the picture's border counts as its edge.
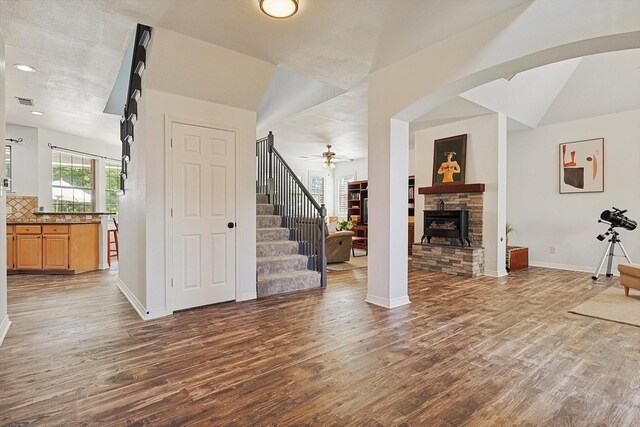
(610, 252)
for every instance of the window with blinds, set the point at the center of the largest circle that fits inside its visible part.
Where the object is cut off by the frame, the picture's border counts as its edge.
(72, 183)
(7, 168)
(316, 187)
(343, 194)
(112, 180)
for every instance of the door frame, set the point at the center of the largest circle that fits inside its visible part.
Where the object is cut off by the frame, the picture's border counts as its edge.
(169, 120)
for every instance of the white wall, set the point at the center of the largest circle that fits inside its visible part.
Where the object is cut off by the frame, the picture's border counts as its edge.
(132, 216)
(144, 208)
(568, 222)
(4, 316)
(222, 89)
(23, 156)
(483, 166)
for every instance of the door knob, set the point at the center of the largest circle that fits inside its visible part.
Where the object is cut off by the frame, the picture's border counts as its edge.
(231, 224)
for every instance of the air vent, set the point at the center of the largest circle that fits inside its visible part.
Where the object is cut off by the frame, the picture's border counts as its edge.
(25, 101)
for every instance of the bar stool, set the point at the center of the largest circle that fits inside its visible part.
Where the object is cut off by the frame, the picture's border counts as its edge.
(112, 239)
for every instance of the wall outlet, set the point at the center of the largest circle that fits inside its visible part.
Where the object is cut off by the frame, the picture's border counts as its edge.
(552, 250)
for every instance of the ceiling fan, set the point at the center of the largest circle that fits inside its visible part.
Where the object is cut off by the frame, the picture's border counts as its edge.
(328, 158)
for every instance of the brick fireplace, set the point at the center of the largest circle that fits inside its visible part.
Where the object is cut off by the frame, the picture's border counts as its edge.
(443, 254)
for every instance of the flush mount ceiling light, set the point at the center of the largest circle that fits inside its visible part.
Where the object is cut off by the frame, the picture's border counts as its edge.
(37, 113)
(24, 67)
(279, 9)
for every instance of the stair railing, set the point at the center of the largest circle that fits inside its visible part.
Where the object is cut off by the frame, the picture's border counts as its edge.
(299, 210)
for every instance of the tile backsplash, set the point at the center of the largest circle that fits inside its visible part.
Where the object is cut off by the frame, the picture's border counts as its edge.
(25, 209)
(21, 208)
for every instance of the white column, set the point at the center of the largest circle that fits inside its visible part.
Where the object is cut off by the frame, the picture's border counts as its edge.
(493, 172)
(100, 185)
(502, 195)
(388, 220)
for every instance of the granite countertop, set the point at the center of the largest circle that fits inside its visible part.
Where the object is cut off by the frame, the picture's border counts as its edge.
(51, 222)
(71, 213)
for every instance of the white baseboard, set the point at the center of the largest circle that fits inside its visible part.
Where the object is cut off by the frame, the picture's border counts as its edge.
(494, 273)
(387, 303)
(103, 267)
(580, 268)
(4, 328)
(137, 305)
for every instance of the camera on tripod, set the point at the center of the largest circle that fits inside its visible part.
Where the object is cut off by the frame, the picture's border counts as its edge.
(615, 218)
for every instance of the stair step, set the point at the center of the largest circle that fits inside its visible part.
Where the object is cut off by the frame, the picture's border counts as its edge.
(278, 248)
(268, 221)
(262, 198)
(264, 209)
(272, 234)
(274, 284)
(280, 264)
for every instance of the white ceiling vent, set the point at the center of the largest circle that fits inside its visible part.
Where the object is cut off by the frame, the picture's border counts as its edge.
(25, 101)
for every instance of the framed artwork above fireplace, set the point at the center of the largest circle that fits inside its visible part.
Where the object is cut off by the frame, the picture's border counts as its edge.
(449, 160)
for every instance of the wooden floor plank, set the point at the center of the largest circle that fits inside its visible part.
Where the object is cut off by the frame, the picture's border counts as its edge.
(475, 352)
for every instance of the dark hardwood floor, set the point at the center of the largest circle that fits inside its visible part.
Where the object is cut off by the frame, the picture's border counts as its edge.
(466, 352)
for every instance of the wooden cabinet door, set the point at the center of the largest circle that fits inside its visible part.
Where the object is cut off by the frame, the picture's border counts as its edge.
(28, 252)
(10, 253)
(55, 252)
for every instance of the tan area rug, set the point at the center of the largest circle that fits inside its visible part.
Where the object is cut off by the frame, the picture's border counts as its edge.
(353, 264)
(612, 305)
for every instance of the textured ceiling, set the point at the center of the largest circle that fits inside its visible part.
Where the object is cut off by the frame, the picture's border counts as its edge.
(600, 84)
(77, 45)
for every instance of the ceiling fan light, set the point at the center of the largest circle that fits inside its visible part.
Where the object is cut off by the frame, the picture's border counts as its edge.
(332, 165)
(279, 9)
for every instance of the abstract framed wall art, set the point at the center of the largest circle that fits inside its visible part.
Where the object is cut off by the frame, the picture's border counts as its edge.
(449, 160)
(582, 166)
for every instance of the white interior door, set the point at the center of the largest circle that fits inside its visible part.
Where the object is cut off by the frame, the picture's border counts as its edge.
(203, 192)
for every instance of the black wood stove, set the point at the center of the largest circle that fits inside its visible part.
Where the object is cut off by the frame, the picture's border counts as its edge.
(445, 223)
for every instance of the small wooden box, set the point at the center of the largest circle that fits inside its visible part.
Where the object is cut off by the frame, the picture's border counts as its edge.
(517, 258)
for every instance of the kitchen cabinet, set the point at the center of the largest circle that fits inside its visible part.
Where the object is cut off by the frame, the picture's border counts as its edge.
(11, 249)
(28, 251)
(55, 252)
(56, 248)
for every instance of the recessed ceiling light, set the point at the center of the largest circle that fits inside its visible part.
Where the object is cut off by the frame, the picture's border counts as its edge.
(23, 67)
(37, 113)
(279, 8)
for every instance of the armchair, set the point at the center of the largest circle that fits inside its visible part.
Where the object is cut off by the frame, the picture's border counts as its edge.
(337, 244)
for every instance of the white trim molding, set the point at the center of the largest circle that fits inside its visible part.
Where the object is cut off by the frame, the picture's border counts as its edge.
(579, 268)
(137, 305)
(494, 273)
(387, 303)
(4, 328)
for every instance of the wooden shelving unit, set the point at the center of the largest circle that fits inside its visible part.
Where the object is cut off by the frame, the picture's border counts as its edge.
(411, 196)
(358, 191)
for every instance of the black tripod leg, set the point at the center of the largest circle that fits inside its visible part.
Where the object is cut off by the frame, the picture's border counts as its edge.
(612, 250)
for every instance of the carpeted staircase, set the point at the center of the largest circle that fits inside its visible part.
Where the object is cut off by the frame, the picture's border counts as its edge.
(280, 268)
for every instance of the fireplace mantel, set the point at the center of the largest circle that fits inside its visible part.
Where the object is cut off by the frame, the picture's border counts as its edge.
(452, 188)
